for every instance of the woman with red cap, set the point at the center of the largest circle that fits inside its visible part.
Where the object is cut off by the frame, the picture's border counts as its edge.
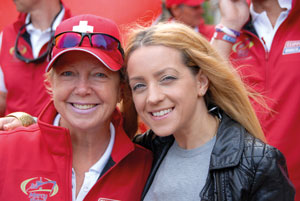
(78, 150)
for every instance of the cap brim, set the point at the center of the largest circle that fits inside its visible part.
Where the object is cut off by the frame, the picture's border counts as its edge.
(100, 55)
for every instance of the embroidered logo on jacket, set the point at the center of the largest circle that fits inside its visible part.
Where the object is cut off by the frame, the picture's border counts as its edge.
(291, 47)
(241, 48)
(22, 50)
(39, 188)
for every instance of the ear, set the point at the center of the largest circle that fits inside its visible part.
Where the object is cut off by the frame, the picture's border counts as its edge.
(202, 82)
(48, 84)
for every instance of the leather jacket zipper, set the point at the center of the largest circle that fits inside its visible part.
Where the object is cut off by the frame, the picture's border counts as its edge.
(219, 189)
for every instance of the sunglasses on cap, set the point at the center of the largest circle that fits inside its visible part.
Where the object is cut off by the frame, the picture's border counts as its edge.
(105, 42)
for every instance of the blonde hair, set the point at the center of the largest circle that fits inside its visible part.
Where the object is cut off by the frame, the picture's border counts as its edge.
(226, 89)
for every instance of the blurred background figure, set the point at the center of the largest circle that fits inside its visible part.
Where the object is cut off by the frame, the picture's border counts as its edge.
(263, 40)
(24, 46)
(189, 12)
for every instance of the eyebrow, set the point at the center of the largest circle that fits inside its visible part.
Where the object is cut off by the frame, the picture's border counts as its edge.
(156, 74)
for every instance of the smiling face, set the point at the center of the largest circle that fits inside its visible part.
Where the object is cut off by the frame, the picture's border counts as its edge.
(85, 92)
(167, 95)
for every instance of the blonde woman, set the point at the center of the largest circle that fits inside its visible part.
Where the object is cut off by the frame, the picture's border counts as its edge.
(206, 139)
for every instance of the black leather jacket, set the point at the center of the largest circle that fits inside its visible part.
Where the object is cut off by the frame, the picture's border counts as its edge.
(241, 166)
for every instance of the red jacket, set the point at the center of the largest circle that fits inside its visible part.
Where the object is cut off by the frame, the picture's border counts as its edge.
(276, 74)
(24, 82)
(36, 162)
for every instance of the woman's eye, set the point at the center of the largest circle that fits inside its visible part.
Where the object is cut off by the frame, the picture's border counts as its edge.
(168, 78)
(67, 73)
(138, 86)
(101, 75)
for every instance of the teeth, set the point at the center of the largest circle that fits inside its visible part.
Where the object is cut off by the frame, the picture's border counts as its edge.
(161, 113)
(83, 107)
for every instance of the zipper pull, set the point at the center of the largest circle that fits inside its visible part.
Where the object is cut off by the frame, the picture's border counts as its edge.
(266, 48)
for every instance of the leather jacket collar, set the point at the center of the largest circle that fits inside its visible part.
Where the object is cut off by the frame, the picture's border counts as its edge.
(227, 150)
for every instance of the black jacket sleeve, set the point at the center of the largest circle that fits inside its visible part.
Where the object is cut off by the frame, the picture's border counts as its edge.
(271, 179)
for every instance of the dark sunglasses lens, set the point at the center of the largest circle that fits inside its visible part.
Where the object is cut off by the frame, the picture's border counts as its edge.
(67, 40)
(109, 46)
(104, 42)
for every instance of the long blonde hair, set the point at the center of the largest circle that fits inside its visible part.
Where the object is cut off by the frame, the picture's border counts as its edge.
(226, 89)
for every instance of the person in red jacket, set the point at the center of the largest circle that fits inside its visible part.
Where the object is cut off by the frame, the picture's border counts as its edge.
(190, 12)
(78, 150)
(266, 50)
(23, 48)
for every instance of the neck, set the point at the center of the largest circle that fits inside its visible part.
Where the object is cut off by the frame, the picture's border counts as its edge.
(272, 8)
(42, 17)
(88, 147)
(198, 132)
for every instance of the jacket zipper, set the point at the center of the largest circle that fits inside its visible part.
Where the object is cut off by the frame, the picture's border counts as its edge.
(266, 49)
(219, 189)
(266, 56)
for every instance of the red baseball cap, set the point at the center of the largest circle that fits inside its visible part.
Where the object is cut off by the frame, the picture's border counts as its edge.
(170, 3)
(88, 23)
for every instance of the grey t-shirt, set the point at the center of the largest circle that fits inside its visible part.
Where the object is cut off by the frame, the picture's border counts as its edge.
(182, 174)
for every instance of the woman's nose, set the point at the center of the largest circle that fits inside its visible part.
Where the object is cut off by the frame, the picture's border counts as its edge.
(83, 87)
(155, 94)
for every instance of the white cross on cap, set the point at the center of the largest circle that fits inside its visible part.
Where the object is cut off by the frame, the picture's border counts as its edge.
(83, 27)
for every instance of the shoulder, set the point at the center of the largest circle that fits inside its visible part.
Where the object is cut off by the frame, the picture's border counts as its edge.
(16, 25)
(261, 156)
(8, 33)
(268, 168)
(256, 148)
(8, 27)
(249, 151)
